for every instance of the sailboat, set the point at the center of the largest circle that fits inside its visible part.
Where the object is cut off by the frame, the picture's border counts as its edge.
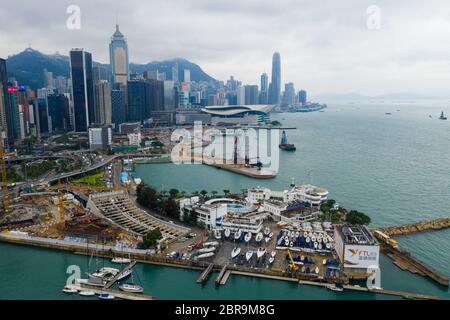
(227, 232)
(259, 237)
(235, 252)
(131, 286)
(248, 255)
(237, 234)
(248, 237)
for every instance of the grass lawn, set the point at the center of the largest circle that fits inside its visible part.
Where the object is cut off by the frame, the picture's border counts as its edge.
(92, 180)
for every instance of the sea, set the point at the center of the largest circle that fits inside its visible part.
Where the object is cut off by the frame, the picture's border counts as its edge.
(387, 159)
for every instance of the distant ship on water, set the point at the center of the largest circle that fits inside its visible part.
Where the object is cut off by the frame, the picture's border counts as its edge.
(442, 117)
(284, 145)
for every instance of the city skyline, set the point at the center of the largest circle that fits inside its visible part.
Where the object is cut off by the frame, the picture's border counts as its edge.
(325, 54)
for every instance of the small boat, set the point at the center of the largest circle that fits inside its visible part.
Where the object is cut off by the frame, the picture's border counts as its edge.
(248, 237)
(125, 274)
(284, 145)
(259, 237)
(305, 234)
(333, 287)
(271, 260)
(237, 234)
(106, 296)
(442, 116)
(315, 245)
(328, 245)
(291, 244)
(271, 234)
(266, 231)
(227, 232)
(87, 293)
(130, 287)
(205, 255)
(120, 260)
(316, 270)
(267, 239)
(217, 234)
(286, 243)
(308, 239)
(69, 289)
(261, 252)
(297, 234)
(210, 244)
(207, 249)
(273, 254)
(235, 252)
(248, 255)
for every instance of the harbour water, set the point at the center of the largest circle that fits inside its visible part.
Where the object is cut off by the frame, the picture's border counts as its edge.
(393, 167)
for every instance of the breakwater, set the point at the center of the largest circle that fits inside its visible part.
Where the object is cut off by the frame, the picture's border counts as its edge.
(421, 226)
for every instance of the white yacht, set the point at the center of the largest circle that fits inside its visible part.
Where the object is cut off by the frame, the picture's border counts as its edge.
(227, 232)
(128, 287)
(205, 255)
(271, 260)
(266, 231)
(238, 234)
(261, 252)
(267, 239)
(207, 249)
(120, 260)
(248, 237)
(259, 237)
(69, 289)
(87, 293)
(273, 254)
(105, 273)
(235, 252)
(248, 255)
(217, 234)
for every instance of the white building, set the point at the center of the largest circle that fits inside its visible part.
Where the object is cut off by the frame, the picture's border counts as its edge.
(246, 223)
(100, 137)
(134, 139)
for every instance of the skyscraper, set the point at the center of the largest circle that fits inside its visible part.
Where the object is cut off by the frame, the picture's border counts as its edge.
(289, 94)
(302, 97)
(118, 57)
(264, 95)
(5, 113)
(138, 108)
(251, 94)
(275, 85)
(118, 106)
(58, 112)
(82, 89)
(102, 94)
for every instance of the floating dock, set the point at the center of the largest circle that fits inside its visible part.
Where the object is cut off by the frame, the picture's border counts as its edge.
(221, 275)
(205, 274)
(116, 293)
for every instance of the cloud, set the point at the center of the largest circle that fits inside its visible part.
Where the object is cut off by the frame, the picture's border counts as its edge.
(325, 46)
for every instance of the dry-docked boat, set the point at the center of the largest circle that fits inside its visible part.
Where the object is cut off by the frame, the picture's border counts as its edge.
(248, 255)
(261, 252)
(248, 237)
(259, 237)
(238, 234)
(235, 252)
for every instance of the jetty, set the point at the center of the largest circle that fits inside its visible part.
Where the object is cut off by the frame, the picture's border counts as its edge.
(221, 274)
(205, 274)
(421, 226)
(116, 293)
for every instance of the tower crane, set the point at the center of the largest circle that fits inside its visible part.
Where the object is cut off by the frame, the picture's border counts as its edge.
(60, 187)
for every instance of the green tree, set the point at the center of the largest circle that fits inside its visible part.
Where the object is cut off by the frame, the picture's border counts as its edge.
(171, 208)
(151, 238)
(356, 217)
(203, 193)
(214, 193)
(173, 193)
(226, 192)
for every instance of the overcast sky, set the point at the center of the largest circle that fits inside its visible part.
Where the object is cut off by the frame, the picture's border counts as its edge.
(325, 46)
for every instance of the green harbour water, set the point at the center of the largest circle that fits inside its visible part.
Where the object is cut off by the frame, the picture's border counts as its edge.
(393, 167)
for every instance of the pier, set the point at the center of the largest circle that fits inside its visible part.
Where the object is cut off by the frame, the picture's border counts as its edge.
(116, 293)
(221, 274)
(205, 274)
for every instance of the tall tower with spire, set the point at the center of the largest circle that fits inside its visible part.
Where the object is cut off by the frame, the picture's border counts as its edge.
(118, 57)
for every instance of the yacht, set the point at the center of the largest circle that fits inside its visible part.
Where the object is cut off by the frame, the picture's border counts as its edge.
(87, 293)
(237, 234)
(266, 231)
(261, 252)
(129, 287)
(106, 296)
(248, 255)
(217, 234)
(235, 252)
(273, 254)
(248, 237)
(120, 260)
(205, 255)
(227, 232)
(333, 287)
(207, 249)
(271, 260)
(267, 239)
(259, 237)
(69, 289)
(271, 234)
(105, 273)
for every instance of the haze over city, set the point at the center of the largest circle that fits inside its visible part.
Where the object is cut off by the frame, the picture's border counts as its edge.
(323, 51)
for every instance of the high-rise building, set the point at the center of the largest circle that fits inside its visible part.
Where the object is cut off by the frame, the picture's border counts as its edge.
(82, 89)
(302, 96)
(103, 109)
(169, 95)
(118, 57)
(289, 94)
(175, 77)
(58, 112)
(48, 79)
(264, 94)
(156, 95)
(151, 74)
(5, 112)
(100, 73)
(138, 107)
(251, 94)
(187, 75)
(118, 106)
(240, 93)
(275, 85)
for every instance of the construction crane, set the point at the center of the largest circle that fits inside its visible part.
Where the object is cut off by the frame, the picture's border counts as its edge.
(59, 186)
(5, 200)
(294, 266)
